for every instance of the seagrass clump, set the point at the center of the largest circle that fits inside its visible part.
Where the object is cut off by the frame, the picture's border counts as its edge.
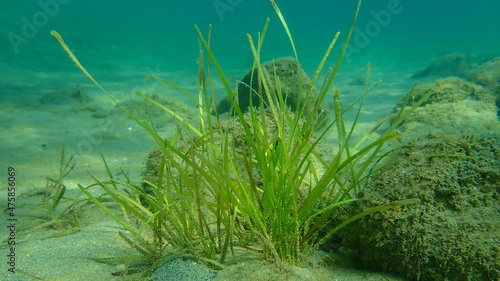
(256, 180)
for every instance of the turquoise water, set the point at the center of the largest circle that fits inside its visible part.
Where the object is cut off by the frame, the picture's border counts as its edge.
(132, 34)
(112, 37)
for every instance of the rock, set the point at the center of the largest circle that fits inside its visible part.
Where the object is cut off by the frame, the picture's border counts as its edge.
(66, 97)
(294, 85)
(455, 105)
(182, 269)
(488, 75)
(452, 89)
(454, 232)
(449, 65)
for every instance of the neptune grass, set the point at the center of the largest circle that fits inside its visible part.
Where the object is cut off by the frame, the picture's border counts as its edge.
(206, 201)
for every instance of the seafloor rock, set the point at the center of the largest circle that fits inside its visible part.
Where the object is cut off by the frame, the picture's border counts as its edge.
(452, 89)
(449, 65)
(66, 97)
(182, 268)
(294, 85)
(454, 232)
(75, 100)
(455, 105)
(488, 75)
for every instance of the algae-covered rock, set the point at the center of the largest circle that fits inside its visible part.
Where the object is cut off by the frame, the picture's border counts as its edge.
(452, 89)
(454, 232)
(455, 105)
(488, 75)
(450, 65)
(294, 85)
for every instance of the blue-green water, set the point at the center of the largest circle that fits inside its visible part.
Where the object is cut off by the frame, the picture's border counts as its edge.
(110, 36)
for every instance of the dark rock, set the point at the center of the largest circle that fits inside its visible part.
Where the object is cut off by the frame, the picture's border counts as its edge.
(294, 85)
(66, 97)
(449, 65)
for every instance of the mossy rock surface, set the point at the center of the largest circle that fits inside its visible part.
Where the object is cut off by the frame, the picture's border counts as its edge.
(488, 75)
(454, 105)
(455, 64)
(452, 89)
(454, 232)
(294, 86)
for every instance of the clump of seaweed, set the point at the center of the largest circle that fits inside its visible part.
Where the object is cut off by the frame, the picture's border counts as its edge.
(267, 189)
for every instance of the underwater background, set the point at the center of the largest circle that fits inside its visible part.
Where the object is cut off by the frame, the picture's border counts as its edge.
(113, 37)
(46, 101)
(121, 41)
